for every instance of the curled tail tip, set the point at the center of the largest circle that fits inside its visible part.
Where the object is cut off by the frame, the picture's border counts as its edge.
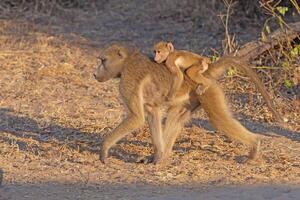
(285, 119)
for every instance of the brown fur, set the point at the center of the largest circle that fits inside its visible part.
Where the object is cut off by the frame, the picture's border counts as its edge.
(139, 89)
(139, 83)
(198, 71)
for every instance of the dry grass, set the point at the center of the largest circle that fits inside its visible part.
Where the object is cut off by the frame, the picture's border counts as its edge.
(53, 116)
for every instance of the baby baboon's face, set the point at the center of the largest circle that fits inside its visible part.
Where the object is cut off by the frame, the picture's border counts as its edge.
(162, 50)
(111, 63)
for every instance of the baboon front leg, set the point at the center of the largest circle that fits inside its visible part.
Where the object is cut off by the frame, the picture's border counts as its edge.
(155, 121)
(134, 120)
(177, 80)
(131, 123)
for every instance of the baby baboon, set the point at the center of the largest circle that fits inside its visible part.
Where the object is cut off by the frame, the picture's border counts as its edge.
(144, 86)
(200, 70)
(175, 60)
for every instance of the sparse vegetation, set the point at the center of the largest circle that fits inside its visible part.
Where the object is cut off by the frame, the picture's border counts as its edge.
(53, 114)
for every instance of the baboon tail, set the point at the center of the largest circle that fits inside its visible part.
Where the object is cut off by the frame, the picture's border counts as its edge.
(259, 85)
(218, 68)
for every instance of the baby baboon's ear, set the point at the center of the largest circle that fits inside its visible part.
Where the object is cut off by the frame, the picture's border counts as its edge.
(122, 52)
(170, 46)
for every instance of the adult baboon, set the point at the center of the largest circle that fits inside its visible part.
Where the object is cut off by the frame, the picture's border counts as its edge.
(144, 86)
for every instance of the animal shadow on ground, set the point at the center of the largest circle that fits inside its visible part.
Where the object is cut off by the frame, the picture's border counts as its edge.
(24, 129)
(256, 127)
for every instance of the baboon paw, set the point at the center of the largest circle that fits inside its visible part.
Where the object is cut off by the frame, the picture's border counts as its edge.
(157, 160)
(254, 150)
(162, 159)
(103, 156)
(201, 89)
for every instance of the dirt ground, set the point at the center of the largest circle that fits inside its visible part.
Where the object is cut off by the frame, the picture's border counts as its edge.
(54, 115)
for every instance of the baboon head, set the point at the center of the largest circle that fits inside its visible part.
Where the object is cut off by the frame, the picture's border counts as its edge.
(111, 62)
(162, 50)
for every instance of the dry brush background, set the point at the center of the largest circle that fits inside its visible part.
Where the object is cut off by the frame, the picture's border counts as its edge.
(53, 114)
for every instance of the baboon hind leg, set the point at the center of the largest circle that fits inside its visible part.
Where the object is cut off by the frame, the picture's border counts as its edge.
(176, 118)
(217, 109)
(203, 82)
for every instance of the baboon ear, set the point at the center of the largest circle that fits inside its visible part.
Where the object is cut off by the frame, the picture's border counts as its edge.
(122, 52)
(170, 46)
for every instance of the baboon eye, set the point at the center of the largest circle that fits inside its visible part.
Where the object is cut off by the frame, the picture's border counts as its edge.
(158, 51)
(120, 54)
(100, 58)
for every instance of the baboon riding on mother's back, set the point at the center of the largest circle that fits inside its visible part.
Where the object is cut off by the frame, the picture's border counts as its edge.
(144, 87)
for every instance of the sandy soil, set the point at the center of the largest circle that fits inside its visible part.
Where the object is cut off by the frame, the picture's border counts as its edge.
(54, 115)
